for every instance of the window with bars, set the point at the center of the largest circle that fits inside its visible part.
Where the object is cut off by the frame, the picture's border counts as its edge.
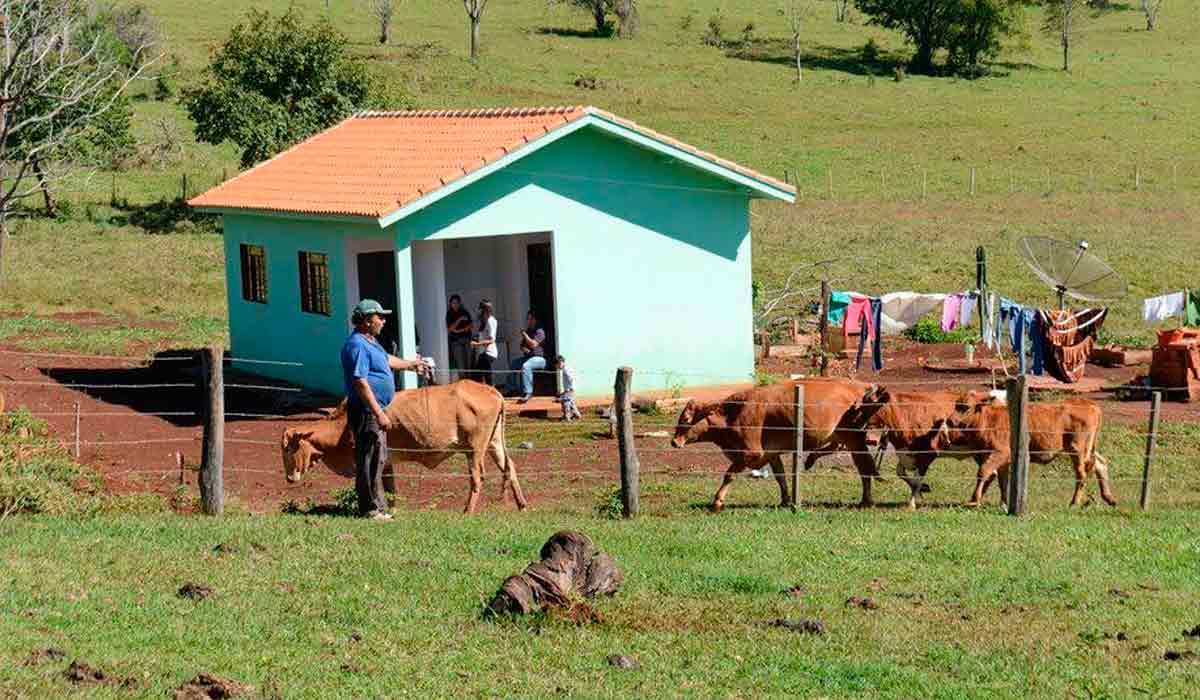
(314, 283)
(254, 273)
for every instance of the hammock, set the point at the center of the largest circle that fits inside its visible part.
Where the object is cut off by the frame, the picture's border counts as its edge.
(1069, 338)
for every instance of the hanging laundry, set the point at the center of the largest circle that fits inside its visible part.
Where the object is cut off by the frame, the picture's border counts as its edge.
(950, 310)
(1192, 313)
(901, 310)
(858, 319)
(1012, 318)
(876, 313)
(967, 309)
(1160, 308)
(1036, 341)
(1069, 338)
(989, 328)
(838, 301)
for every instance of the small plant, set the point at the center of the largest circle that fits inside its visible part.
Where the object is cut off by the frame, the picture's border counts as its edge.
(748, 33)
(715, 36)
(608, 502)
(927, 330)
(690, 18)
(345, 501)
(762, 378)
(674, 383)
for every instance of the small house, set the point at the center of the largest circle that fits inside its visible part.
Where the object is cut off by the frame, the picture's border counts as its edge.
(632, 247)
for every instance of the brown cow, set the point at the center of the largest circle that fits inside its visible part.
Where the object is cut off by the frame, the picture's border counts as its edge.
(757, 426)
(911, 422)
(1070, 427)
(429, 425)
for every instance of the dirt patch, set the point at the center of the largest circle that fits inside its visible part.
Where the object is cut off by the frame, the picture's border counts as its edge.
(82, 673)
(1193, 632)
(206, 687)
(1172, 655)
(37, 657)
(194, 591)
(796, 592)
(802, 626)
(862, 603)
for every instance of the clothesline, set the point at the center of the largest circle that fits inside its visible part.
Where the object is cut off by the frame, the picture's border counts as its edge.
(1185, 304)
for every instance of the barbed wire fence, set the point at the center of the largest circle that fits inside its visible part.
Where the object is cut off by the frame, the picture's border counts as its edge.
(580, 459)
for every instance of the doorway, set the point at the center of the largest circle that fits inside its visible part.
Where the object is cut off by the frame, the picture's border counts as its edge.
(377, 280)
(540, 263)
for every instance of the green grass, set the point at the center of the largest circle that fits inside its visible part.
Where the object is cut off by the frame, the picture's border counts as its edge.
(971, 605)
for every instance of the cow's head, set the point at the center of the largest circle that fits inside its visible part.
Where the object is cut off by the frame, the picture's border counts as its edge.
(955, 429)
(298, 453)
(694, 422)
(873, 403)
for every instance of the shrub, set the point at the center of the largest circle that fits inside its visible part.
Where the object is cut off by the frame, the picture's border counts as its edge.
(928, 330)
(869, 53)
(715, 36)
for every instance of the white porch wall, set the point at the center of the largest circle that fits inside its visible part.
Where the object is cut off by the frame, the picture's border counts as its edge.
(429, 285)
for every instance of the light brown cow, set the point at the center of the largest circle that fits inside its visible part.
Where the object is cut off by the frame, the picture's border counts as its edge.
(429, 425)
(757, 427)
(911, 422)
(1070, 427)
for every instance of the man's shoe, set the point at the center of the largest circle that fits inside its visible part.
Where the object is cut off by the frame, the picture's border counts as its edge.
(525, 398)
(378, 515)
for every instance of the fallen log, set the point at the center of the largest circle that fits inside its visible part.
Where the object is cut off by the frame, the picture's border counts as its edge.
(571, 569)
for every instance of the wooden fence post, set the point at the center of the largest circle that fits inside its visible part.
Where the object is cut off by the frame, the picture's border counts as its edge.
(1151, 438)
(183, 187)
(924, 183)
(823, 328)
(972, 182)
(1018, 422)
(798, 455)
(77, 431)
(212, 478)
(623, 405)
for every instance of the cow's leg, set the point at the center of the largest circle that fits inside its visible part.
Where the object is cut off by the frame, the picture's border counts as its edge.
(506, 465)
(475, 460)
(737, 465)
(1080, 479)
(917, 465)
(781, 479)
(857, 446)
(988, 470)
(1100, 465)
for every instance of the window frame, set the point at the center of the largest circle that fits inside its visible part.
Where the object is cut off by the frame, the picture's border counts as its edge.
(254, 273)
(316, 294)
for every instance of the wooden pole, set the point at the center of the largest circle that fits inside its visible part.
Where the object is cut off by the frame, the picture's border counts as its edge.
(179, 466)
(798, 455)
(823, 328)
(212, 478)
(1137, 177)
(924, 184)
(972, 182)
(981, 285)
(76, 430)
(1018, 421)
(765, 337)
(183, 187)
(630, 488)
(1151, 439)
(829, 174)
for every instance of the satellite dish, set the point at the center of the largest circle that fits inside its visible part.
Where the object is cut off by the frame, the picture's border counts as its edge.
(1071, 270)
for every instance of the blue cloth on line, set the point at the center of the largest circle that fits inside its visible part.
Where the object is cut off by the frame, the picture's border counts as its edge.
(876, 312)
(838, 301)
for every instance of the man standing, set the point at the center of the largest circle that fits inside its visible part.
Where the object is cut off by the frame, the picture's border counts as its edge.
(370, 385)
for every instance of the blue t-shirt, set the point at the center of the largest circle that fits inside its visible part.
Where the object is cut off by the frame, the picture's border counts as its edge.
(364, 359)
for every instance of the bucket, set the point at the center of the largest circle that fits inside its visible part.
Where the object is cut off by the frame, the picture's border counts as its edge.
(1170, 336)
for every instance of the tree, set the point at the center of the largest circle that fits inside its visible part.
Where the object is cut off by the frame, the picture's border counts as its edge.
(382, 11)
(627, 18)
(625, 10)
(1063, 21)
(475, 14)
(841, 10)
(794, 11)
(977, 32)
(60, 80)
(970, 29)
(1150, 8)
(926, 23)
(276, 81)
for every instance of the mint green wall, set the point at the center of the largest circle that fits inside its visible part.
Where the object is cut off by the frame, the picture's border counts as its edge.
(652, 258)
(279, 330)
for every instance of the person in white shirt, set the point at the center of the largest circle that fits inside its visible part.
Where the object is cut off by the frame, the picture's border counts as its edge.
(485, 344)
(567, 397)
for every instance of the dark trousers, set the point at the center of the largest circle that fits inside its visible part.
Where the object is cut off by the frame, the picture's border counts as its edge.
(370, 456)
(460, 358)
(483, 369)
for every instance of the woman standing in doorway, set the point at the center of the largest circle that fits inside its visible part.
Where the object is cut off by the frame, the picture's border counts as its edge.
(458, 327)
(485, 344)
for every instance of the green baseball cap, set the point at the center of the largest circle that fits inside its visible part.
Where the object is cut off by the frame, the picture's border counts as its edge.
(366, 307)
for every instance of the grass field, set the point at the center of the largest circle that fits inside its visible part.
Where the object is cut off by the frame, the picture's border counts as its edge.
(970, 605)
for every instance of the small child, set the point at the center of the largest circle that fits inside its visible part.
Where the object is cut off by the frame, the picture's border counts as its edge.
(567, 397)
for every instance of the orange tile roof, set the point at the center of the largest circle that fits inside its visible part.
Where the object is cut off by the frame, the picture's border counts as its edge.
(374, 163)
